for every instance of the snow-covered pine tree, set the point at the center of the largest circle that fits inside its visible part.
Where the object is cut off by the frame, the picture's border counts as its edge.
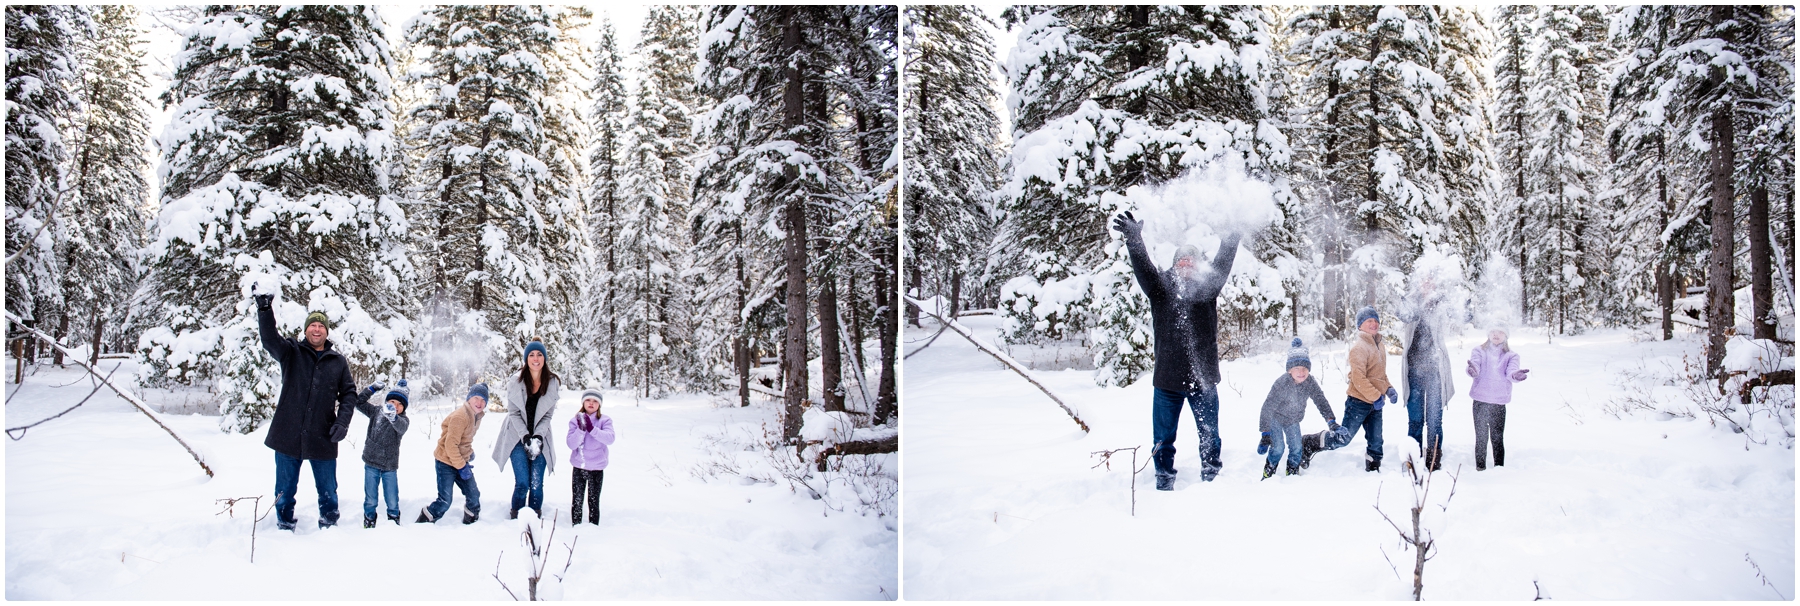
(1511, 135)
(1403, 158)
(1654, 173)
(1698, 66)
(273, 179)
(952, 155)
(607, 123)
(774, 145)
(1105, 98)
(103, 227)
(648, 252)
(1560, 200)
(41, 84)
(1765, 170)
(501, 163)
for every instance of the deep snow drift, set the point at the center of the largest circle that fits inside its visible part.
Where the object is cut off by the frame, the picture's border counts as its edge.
(1002, 500)
(101, 504)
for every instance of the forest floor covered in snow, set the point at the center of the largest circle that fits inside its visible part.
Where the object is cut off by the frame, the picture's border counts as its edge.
(103, 505)
(1004, 500)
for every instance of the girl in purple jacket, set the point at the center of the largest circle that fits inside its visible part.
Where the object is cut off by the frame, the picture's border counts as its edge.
(1495, 368)
(590, 433)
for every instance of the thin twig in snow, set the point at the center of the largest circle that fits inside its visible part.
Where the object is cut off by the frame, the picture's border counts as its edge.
(22, 428)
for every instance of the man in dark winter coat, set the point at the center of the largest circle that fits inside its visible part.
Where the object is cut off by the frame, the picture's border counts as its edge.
(318, 399)
(1184, 311)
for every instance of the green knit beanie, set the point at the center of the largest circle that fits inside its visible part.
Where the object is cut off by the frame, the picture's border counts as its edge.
(318, 316)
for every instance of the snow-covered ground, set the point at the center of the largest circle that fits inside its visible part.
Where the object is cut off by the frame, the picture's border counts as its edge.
(101, 504)
(1002, 500)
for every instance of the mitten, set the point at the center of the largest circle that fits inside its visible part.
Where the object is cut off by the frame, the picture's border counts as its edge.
(263, 301)
(1519, 375)
(372, 389)
(1393, 396)
(1263, 446)
(338, 431)
(467, 472)
(1128, 225)
(1332, 424)
(582, 422)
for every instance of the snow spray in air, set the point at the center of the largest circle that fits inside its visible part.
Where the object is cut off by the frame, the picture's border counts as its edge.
(1198, 208)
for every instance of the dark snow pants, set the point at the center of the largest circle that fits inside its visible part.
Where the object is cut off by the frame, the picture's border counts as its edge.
(1425, 409)
(287, 481)
(1166, 419)
(586, 483)
(1360, 414)
(1490, 425)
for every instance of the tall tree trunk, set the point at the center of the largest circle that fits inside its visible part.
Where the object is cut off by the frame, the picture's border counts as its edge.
(62, 333)
(1719, 316)
(794, 342)
(888, 320)
(741, 344)
(856, 328)
(94, 358)
(955, 292)
(831, 365)
(1762, 293)
(1665, 279)
(914, 283)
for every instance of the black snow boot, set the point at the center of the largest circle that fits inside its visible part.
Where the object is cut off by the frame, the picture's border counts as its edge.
(513, 515)
(1371, 464)
(1268, 470)
(1165, 481)
(395, 518)
(469, 517)
(425, 517)
(368, 521)
(281, 524)
(1434, 458)
(1293, 471)
(1309, 446)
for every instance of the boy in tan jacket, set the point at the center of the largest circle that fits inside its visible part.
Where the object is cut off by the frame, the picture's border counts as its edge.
(455, 456)
(1368, 385)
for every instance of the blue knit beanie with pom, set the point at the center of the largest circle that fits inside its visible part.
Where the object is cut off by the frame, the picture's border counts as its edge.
(1298, 356)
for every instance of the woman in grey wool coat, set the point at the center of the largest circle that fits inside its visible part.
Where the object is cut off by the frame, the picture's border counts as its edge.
(531, 403)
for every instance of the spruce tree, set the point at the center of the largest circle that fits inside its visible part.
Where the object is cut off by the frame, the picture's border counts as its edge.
(501, 162)
(273, 182)
(105, 225)
(607, 121)
(41, 85)
(1560, 201)
(951, 148)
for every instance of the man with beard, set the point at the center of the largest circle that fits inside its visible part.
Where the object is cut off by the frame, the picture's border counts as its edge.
(1184, 311)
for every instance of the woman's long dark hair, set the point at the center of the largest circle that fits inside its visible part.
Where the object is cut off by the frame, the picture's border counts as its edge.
(525, 377)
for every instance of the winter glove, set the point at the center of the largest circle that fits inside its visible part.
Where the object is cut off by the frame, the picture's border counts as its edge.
(1128, 225)
(264, 301)
(1393, 396)
(372, 389)
(1332, 424)
(583, 422)
(534, 445)
(1519, 375)
(338, 431)
(467, 472)
(1263, 446)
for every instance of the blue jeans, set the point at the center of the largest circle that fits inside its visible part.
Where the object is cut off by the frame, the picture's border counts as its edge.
(446, 476)
(287, 481)
(389, 482)
(1360, 414)
(1166, 418)
(1285, 437)
(527, 478)
(1425, 408)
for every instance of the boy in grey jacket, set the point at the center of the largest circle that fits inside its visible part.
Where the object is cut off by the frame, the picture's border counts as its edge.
(381, 451)
(1285, 406)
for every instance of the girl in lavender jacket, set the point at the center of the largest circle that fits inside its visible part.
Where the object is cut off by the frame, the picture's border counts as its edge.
(1495, 368)
(589, 435)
